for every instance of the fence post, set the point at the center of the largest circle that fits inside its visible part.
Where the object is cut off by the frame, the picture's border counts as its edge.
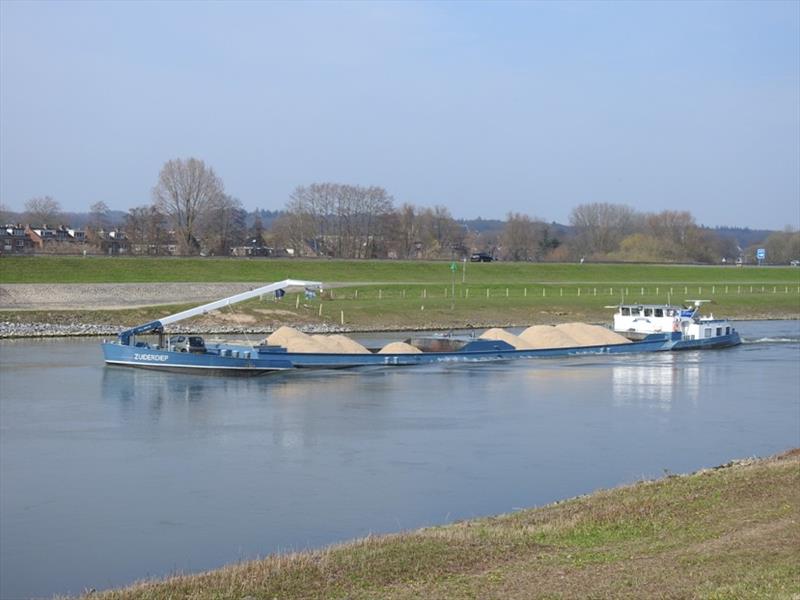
(525, 292)
(320, 309)
(342, 317)
(506, 292)
(487, 292)
(297, 302)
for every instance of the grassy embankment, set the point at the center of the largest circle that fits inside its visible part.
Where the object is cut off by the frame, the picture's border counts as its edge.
(730, 532)
(400, 294)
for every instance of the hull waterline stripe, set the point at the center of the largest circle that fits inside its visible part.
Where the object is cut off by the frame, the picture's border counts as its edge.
(176, 366)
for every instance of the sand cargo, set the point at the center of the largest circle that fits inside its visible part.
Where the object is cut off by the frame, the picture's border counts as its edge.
(289, 349)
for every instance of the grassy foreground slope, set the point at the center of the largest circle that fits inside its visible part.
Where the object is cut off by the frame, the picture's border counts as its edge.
(730, 532)
(73, 269)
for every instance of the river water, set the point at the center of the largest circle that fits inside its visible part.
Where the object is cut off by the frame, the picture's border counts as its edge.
(109, 475)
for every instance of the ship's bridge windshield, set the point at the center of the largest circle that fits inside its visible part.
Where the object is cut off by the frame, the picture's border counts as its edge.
(648, 311)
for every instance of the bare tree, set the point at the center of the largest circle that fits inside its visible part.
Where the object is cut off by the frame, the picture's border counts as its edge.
(223, 225)
(99, 216)
(346, 221)
(185, 191)
(146, 229)
(782, 246)
(292, 230)
(521, 237)
(600, 227)
(42, 210)
(407, 232)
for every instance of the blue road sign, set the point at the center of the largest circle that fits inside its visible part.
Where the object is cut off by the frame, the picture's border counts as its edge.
(761, 254)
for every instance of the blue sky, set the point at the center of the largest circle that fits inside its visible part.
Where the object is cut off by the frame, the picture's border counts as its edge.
(482, 107)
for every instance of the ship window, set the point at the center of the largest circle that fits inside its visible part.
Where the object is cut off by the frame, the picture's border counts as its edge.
(719, 330)
(707, 333)
(648, 312)
(634, 312)
(659, 312)
(727, 331)
(626, 311)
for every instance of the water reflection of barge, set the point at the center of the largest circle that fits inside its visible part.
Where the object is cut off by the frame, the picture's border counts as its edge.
(190, 354)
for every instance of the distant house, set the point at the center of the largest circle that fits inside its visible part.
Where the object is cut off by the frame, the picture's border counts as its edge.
(113, 242)
(40, 236)
(13, 240)
(59, 239)
(77, 235)
(252, 247)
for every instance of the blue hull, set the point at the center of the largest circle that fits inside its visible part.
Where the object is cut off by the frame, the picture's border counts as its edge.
(240, 360)
(209, 362)
(721, 341)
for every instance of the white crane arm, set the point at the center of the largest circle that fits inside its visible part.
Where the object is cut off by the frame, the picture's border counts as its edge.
(272, 287)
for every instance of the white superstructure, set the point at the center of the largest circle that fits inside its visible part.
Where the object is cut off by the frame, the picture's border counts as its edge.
(640, 320)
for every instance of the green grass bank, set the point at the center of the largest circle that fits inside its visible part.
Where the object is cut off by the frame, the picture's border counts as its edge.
(416, 295)
(729, 532)
(73, 269)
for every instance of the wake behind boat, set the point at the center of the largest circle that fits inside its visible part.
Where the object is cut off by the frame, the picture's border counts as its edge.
(189, 353)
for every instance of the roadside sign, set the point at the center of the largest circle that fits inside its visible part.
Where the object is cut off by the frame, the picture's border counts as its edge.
(453, 267)
(761, 254)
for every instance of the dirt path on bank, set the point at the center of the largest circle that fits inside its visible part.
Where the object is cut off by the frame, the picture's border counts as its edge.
(92, 296)
(109, 296)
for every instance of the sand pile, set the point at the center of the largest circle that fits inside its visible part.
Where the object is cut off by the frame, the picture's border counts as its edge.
(591, 335)
(297, 341)
(399, 348)
(339, 344)
(282, 336)
(547, 336)
(501, 334)
(348, 346)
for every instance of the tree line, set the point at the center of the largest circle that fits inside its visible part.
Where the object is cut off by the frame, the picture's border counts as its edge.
(190, 213)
